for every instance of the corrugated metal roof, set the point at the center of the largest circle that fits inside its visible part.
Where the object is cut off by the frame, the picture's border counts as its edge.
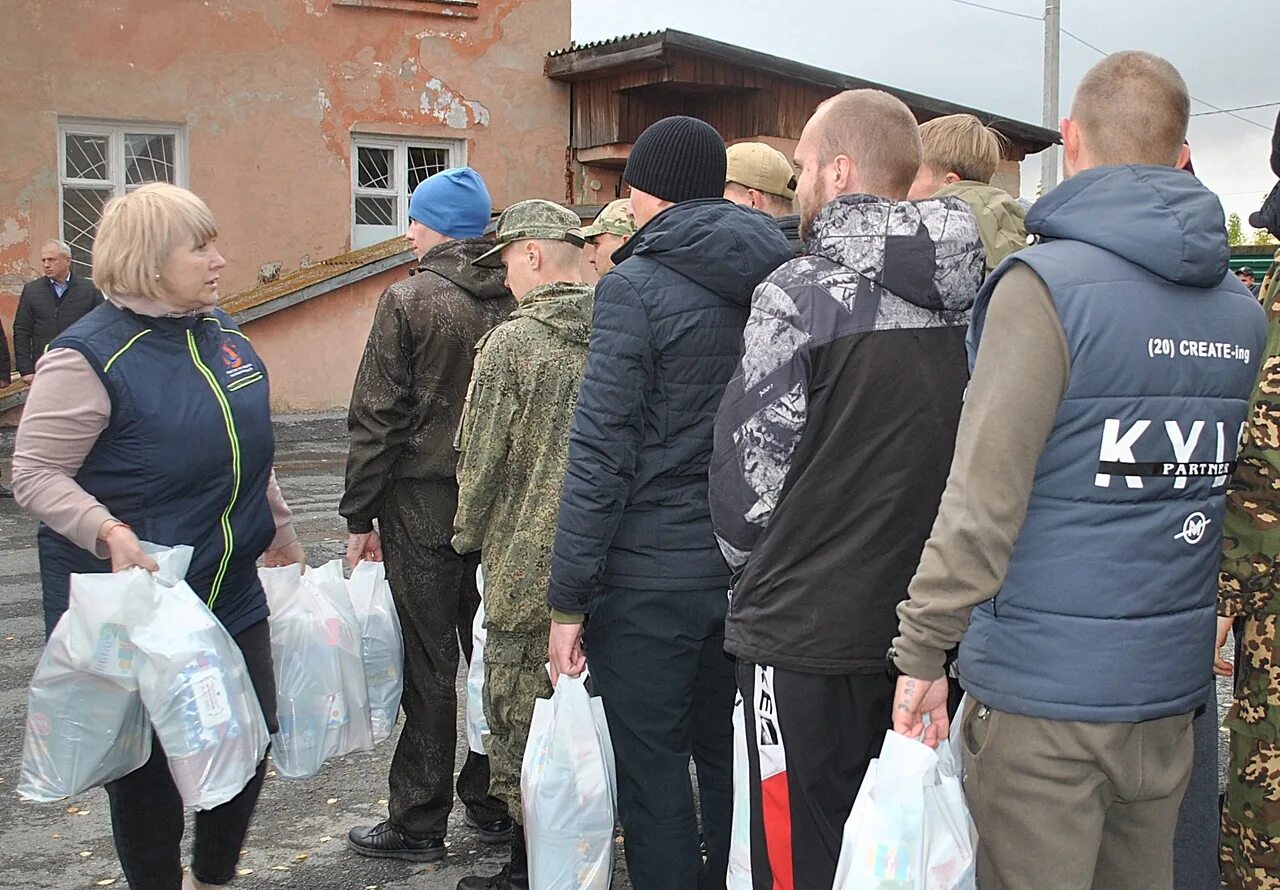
(574, 47)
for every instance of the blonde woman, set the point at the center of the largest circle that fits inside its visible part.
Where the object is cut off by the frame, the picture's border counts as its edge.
(149, 419)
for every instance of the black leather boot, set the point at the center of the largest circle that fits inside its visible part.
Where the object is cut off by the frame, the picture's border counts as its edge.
(514, 875)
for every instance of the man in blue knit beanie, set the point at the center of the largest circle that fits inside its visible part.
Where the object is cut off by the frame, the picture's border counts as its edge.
(405, 407)
(454, 203)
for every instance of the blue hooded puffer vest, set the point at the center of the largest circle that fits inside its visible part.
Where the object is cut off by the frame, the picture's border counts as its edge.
(185, 457)
(1107, 610)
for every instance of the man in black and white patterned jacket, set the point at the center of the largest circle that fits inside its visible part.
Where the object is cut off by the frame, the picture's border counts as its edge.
(832, 447)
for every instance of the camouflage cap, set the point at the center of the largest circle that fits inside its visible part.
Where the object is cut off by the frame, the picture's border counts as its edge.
(612, 220)
(534, 220)
(761, 167)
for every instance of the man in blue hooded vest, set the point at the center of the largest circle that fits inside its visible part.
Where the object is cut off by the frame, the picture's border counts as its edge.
(1076, 550)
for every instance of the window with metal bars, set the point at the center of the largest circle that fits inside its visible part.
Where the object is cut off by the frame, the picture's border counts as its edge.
(384, 173)
(98, 161)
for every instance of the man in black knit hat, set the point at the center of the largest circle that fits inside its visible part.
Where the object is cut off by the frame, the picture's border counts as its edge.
(635, 555)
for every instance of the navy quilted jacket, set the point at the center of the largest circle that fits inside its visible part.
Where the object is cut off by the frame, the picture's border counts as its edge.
(666, 334)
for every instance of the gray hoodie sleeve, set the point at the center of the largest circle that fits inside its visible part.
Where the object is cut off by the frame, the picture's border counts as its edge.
(1010, 408)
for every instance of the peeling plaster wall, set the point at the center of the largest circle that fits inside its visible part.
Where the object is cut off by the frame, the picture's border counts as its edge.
(269, 93)
(312, 350)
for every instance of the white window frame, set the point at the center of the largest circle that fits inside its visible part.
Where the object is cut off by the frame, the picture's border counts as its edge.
(115, 132)
(399, 147)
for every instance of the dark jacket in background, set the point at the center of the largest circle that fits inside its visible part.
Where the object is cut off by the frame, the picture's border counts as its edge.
(6, 368)
(790, 227)
(1275, 148)
(42, 316)
(1268, 216)
(413, 378)
(835, 436)
(665, 335)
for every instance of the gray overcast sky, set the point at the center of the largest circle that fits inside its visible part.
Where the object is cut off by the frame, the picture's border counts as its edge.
(1225, 49)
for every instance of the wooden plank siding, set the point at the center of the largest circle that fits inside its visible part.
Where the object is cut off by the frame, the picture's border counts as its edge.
(739, 102)
(621, 87)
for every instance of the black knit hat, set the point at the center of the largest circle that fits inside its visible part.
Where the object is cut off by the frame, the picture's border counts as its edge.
(678, 159)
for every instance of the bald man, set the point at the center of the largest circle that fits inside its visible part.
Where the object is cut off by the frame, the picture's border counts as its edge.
(830, 455)
(1075, 557)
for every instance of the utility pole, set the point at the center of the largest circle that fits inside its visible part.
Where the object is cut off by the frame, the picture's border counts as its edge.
(1049, 163)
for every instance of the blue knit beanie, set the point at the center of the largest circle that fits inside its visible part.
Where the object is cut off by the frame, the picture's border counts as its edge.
(453, 202)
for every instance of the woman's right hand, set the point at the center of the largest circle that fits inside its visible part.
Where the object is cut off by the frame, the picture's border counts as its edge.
(126, 550)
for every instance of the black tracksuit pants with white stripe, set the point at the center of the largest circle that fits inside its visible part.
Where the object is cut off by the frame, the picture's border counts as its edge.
(810, 738)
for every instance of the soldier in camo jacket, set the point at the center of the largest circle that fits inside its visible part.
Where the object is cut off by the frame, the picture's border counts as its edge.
(514, 441)
(1249, 594)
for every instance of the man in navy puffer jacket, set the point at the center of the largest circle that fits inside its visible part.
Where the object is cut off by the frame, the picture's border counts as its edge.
(634, 547)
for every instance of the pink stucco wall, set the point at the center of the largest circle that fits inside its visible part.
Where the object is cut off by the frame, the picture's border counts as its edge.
(312, 350)
(268, 94)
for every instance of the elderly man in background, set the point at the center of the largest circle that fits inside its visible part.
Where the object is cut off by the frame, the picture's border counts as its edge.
(49, 305)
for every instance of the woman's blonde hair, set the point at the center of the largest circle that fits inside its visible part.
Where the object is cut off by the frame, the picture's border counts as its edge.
(137, 233)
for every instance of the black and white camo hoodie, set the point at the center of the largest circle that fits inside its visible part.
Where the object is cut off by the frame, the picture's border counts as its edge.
(835, 435)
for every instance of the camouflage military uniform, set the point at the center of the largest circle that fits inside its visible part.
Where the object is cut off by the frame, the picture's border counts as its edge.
(1269, 280)
(514, 441)
(1250, 588)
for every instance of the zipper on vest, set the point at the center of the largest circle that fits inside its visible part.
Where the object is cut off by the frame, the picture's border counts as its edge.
(227, 538)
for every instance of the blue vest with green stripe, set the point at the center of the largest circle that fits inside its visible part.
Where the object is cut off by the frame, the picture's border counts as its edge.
(185, 457)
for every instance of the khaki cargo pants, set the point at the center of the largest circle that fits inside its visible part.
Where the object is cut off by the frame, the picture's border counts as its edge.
(1065, 805)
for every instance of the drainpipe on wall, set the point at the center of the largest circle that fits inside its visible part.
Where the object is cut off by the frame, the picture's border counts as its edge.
(569, 191)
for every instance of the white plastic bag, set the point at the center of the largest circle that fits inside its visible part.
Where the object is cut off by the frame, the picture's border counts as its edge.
(86, 724)
(606, 745)
(910, 827)
(568, 793)
(322, 695)
(739, 877)
(381, 644)
(477, 723)
(196, 688)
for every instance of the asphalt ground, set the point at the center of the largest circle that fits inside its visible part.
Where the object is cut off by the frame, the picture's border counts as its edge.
(297, 840)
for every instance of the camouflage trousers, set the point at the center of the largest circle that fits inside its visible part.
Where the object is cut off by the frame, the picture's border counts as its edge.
(1251, 816)
(515, 677)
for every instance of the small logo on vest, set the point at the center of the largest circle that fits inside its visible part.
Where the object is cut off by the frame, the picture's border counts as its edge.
(230, 357)
(1193, 528)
